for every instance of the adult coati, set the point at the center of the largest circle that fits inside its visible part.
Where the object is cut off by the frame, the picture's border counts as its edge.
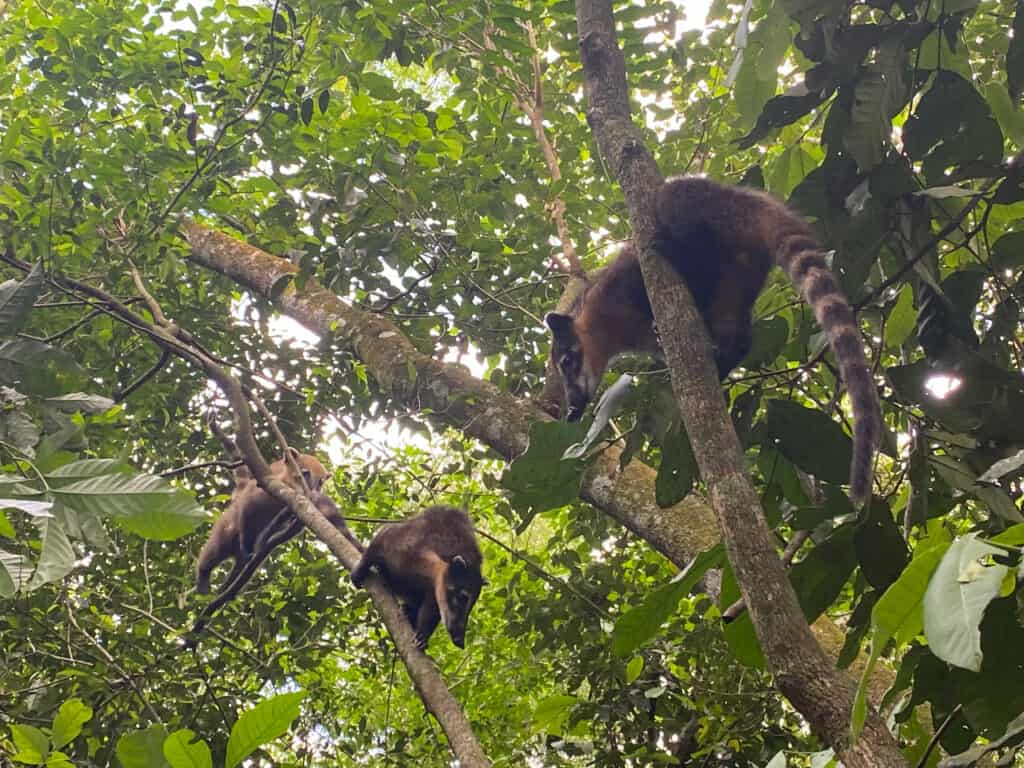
(251, 510)
(431, 562)
(722, 241)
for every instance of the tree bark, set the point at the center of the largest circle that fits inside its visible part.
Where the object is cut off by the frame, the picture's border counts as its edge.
(481, 410)
(802, 671)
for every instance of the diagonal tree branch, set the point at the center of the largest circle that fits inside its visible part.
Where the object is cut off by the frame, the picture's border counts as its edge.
(802, 671)
(480, 409)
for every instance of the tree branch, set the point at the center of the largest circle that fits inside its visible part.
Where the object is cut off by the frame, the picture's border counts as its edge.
(803, 673)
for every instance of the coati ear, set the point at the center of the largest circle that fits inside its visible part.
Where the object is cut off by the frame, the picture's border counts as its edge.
(560, 325)
(294, 452)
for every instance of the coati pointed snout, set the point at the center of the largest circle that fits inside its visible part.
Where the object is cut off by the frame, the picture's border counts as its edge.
(579, 381)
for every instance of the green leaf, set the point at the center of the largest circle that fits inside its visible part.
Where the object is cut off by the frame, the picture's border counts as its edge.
(551, 713)
(57, 557)
(638, 625)
(71, 716)
(143, 504)
(260, 725)
(819, 576)
(323, 100)
(899, 614)
(958, 594)
(677, 469)
(879, 95)
(739, 634)
(17, 298)
(634, 668)
(183, 749)
(881, 550)
(306, 110)
(902, 318)
(827, 456)
(539, 479)
(31, 743)
(143, 748)
(85, 468)
(14, 572)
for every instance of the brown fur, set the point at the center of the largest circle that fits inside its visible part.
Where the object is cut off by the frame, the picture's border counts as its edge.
(432, 564)
(251, 510)
(723, 241)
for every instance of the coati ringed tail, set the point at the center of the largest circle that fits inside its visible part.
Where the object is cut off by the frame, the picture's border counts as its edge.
(431, 562)
(723, 241)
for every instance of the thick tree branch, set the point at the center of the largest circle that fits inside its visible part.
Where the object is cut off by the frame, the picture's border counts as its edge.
(478, 408)
(802, 671)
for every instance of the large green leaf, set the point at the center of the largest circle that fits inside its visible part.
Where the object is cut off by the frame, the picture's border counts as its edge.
(143, 748)
(56, 558)
(260, 725)
(827, 456)
(17, 298)
(143, 504)
(31, 743)
(15, 570)
(539, 479)
(819, 576)
(71, 716)
(677, 470)
(899, 615)
(958, 594)
(183, 749)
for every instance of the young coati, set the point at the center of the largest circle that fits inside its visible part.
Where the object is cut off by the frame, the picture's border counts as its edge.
(722, 241)
(431, 562)
(251, 510)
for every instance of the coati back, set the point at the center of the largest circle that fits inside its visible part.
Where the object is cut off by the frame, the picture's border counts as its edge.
(432, 564)
(722, 241)
(251, 510)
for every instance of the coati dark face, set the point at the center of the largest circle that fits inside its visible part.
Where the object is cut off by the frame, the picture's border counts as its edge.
(579, 377)
(462, 585)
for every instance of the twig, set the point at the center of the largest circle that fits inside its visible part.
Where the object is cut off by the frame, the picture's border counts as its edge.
(165, 357)
(938, 735)
(202, 465)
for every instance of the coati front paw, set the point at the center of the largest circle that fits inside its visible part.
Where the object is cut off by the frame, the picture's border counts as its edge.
(420, 640)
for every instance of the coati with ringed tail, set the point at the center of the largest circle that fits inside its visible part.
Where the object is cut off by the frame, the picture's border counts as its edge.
(251, 510)
(431, 562)
(723, 241)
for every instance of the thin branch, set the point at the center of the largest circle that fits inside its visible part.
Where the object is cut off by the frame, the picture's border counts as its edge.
(165, 357)
(938, 735)
(202, 465)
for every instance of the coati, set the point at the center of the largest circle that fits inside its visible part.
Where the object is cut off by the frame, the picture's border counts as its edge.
(251, 510)
(431, 562)
(722, 241)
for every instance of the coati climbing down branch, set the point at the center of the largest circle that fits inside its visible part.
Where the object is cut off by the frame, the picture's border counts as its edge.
(722, 241)
(432, 563)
